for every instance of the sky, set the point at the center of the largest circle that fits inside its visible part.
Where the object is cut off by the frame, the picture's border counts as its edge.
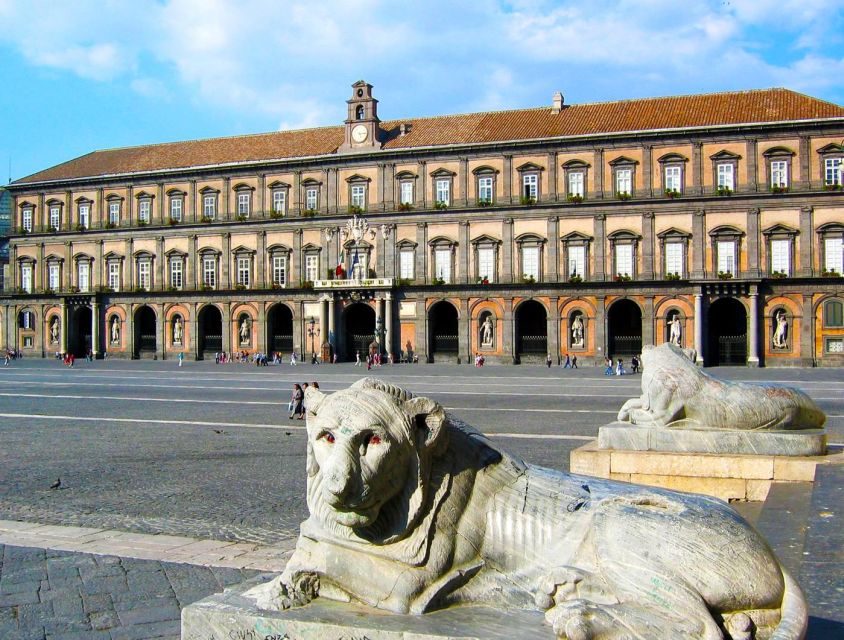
(85, 75)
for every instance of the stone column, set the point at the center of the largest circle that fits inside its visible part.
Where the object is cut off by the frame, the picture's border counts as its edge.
(699, 244)
(39, 275)
(295, 195)
(553, 252)
(227, 195)
(507, 177)
(753, 253)
(697, 169)
(332, 319)
(699, 328)
(159, 201)
(388, 323)
(159, 264)
(508, 344)
(598, 163)
(600, 326)
(421, 253)
(381, 247)
(129, 282)
(463, 181)
(160, 346)
(463, 252)
(262, 197)
(129, 331)
(552, 177)
(421, 346)
(647, 170)
(64, 327)
(95, 328)
(648, 246)
(9, 326)
(261, 333)
(379, 322)
(553, 329)
(805, 181)
(752, 177)
(261, 260)
(67, 272)
(330, 204)
(192, 325)
(599, 226)
(193, 217)
(463, 333)
(507, 267)
(323, 323)
(190, 282)
(227, 327)
(807, 333)
(753, 332)
(99, 267)
(806, 241)
(389, 252)
(648, 321)
(225, 262)
(297, 266)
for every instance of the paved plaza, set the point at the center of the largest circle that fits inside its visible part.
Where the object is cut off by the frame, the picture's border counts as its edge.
(207, 452)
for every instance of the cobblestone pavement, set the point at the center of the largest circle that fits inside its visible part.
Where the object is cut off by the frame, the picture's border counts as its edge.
(55, 595)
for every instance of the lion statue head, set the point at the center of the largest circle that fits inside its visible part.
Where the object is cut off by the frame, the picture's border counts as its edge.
(370, 449)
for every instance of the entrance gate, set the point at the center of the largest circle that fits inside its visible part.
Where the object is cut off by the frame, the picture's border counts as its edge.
(727, 344)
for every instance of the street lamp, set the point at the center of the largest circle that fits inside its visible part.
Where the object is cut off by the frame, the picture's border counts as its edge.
(312, 334)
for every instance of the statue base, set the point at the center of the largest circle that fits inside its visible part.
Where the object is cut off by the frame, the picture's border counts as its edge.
(233, 614)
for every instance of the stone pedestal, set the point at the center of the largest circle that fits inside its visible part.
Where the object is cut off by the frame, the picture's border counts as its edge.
(234, 615)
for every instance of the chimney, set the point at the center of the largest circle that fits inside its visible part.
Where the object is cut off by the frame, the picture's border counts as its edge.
(404, 128)
(557, 103)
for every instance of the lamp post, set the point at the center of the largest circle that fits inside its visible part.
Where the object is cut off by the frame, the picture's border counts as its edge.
(312, 334)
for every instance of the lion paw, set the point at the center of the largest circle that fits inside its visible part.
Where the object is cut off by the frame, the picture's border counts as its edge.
(579, 620)
(297, 590)
(557, 586)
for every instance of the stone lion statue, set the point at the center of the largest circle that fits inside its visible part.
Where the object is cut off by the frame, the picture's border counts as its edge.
(411, 510)
(678, 394)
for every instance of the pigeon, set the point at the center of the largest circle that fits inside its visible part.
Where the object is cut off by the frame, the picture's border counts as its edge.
(57, 484)
(219, 431)
(287, 433)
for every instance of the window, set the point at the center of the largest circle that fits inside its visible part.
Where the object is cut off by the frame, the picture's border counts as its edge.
(83, 276)
(443, 191)
(486, 264)
(244, 269)
(624, 260)
(209, 206)
(55, 217)
(576, 184)
(358, 196)
(280, 201)
(726, 256)
(244, 201)
(834, 345)
(624, 181)
(26, 220)
(177, 280)
(144, 210)
(530, 186)
(54, 276)
(27, 320)
(145, 274)
(530, 262)
(312, 267)
(84, 216)
(832, 172)
(726, 176)
(114, 213)
(781, 256)
(26, 277)
(673, 179)
(209, 271)
(779, 174)
(311, 198)
(114, 275)
(674, 258)
(485, 189)
(406, 264)
(406, 192)
(577, 261)
(280, 270)
(833, 313)
(442, 264)
(176, 208)
(834, 255)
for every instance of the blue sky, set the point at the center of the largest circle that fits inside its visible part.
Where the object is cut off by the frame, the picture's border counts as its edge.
(85, 75)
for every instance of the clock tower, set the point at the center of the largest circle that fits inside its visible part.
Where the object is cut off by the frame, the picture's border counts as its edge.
(362, 124)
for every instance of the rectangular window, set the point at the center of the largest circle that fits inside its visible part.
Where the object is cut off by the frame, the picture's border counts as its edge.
(442, 265)
(209, 271)
(358, 196)
(624, 181)
(176, 209)
(485, 189)
(244, 265)
(443, 190)
(624, 260)
(406, 264)
(311, 199)
(486, 263)
(530, 262)
(144, 209)
(243, 201)
(576, 187)
(26, 277)
(832, 171)
(725, 177)
(83, 277)
(672, 179)
(177, 273)
(779, 173)
(114, 213)
(577, 261)
(834, 254)
(674, 258)
(834, 345)
(312, 267)
(727, 256)
(144, 274)
(55, 217)
(406, 195)
(54, 273)
(26, 221)
(209, 207)
(114, 275)
(781, 256)
(280, 270)
(84, 215)
(280, 202)
(530, 186)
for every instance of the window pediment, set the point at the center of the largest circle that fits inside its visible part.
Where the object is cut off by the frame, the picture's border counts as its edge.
(406, 175)
(778, 151)
(311, 182)
(672, 157)
(26, 204)
(83, 200)
(780, 230)
(363, 245)
(576, 164)
(242, 186)
(832, 147)
(622, 161)
(278, 248)
(442, 173)
(358, 178)
(485, 240)
(831, 227)
(406, 244)
(485, 170)
(111, 255)
(83, 257)
(175, 253)
(209, 191)
(529, 166)
(113, 197)
(209, 251)
(726, 231)
(311, 248)
(442, 241)
(278, 184)
(143, 194)
(53, 202)
(529, 239)
(142, 255)
(53, 258)
(623, 235)
(576, 237)
(724, 155)
(673, 233)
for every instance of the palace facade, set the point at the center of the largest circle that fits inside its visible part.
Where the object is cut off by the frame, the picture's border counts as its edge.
(715, 221)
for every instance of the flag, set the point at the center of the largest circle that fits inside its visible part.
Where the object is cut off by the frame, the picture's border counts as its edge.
(354, 266)
(339, 270)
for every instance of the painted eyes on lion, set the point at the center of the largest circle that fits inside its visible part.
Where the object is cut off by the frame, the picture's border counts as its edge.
(328, 437)
(373, 439)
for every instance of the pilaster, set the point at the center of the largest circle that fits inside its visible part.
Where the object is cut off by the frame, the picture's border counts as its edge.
(507, 251)
(552, 178)
(67, 272)
(463, 328)
(752, 171)
(754, 269)
(421, 253)
(648, 246)
(807, 332)
(600, 327)
(553, 329)
(191, 281)
(699, 244)
(647, 170)
(225, 263)
(297, 268)
(507, 177)
(261, 262)
(697, 168)
(648, 321)
(806, 242)
(159, 264)
(805, 181)
(227, 197)
(753, 332)
(421, 346)
(508, 344)
(699, 320)
(463, 252)
(463, 181)
(599, 231)
(598, 173)
(330, 204)
(552, 249)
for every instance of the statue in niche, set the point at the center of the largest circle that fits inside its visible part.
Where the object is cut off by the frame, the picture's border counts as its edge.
(487, 332)
(54, 331)
(245, 331)
(675, 330)
(781, 331)
(115, 330)
(577, 332)
(177, 330)
(412, 510)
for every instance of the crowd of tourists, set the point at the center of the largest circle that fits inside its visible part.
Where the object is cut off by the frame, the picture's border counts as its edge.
(617, 368)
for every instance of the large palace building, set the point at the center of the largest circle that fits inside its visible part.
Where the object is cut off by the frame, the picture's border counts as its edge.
(714, 221)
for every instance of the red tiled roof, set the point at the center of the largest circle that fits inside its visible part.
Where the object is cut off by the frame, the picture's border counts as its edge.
(761, 106)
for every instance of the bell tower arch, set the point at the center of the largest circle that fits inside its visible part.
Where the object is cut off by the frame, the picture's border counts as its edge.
(363, 132)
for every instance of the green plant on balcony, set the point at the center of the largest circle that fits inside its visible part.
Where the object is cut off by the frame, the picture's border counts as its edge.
(275, 214)
(672, 193)
(623, 195)
(528, 279)
(109, 225)
(172, 222)
(276, 286)
(48, 291)
(205, 287)
(205, 220)
(23, 231)
(240, 287)
(51, 230)
(832, 187)
(404, 206)
(404, 282)
(307, 284)
(779, 275)
(484, 202)
(723, 191)
(242, 218)
(437, 281)
(622, 277)
(672, 276)
(355, 210)
(575, 279)
(440, 205)
(527, 200)
(81, 228)
(779, 188)
(104, 289)
(308, 213)
(142, 223)
(483, 281)
(830, 273)
(73, 289)
(725, 275)
(574, 198)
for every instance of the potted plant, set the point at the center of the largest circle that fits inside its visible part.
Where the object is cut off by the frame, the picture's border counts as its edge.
(830, 273)
(527, 201)
(404, 206)
(142, 223)
(172, 222)
(575, 198)
(779, 275)
(832, 187)
(355, 210)
(725, 275)
(484, 202)
(528, 279)
(109, 225)
(723, 191)
(779, 188)
(672, 276)
(623, 195)
(622, 277)
(576, 279)
(439, 205)
(81, 228)
(241, 218)
(437, 281)
(275, 214)
(308, 213)
(483, 280)
(205, 220)
(672, 193)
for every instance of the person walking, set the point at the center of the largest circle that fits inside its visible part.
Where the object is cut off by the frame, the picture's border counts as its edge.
(548, 361)
(181, 357)
(608, 363)
(567, 365)
(619, 367)
(293, 359)
(634, 364)
(357, 358)
(296, 401)
(574, 362)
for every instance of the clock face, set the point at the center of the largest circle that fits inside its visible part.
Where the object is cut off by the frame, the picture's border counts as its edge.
(359, 133)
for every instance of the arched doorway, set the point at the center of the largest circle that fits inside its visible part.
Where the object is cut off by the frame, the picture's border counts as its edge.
(210, 331)
(144, 332)
(531, 332)
(359, 322)
(727, 333)
(442, 323)
(280, 329)
(80, 336)
(624, 329)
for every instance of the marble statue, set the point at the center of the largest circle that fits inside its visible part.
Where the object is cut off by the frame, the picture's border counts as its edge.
(412, 510)
(245, 332)
(674, 335)
(177, 331)
(678, 394)
(54, 331)
(115, 330)
(781, 331)
(487, 331)
(577, 331)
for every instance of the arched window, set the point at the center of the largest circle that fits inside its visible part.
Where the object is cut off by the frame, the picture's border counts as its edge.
(359, 112)
(833, 313)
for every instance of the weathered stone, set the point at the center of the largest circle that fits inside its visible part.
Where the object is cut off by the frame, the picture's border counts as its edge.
(724, 488)
(708, 466)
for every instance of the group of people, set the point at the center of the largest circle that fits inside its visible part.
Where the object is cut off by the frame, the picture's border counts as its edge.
(297, 400)
(12, 354)
(617, 367)
(372, 360)
(479, 360)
